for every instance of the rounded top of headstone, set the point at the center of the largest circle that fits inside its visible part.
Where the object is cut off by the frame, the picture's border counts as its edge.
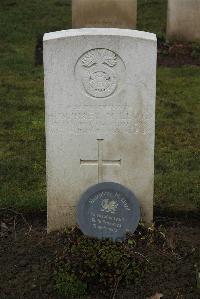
(108, 211)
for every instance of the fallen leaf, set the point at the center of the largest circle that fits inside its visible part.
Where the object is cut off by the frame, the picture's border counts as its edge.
(198, 279)
(156, 296)
(3, 226)
(3, 230)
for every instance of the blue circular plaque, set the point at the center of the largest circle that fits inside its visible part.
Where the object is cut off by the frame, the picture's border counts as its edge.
(108, 211)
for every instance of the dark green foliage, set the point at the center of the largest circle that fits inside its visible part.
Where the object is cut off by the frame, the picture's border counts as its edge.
(196, 50)
(161, 37)
(103, 265)
(68, 285)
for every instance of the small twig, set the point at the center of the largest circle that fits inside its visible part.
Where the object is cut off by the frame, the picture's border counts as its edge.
(121, 276)
(118, 281)
(142, 255)
(19, 214)
(14, 228)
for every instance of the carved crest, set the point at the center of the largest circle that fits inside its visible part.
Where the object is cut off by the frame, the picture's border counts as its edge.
(99, 56)
(100, 71)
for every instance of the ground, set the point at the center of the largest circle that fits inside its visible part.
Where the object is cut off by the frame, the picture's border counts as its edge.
(26, 256)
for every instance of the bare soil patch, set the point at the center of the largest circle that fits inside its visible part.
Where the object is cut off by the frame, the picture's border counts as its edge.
(178, 54)
(27, 257)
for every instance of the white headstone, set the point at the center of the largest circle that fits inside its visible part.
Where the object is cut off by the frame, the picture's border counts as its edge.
(100, 87)
(183, 20)
(104, 13)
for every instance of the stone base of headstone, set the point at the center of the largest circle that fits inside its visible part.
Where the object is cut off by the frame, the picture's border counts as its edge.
(183, 20)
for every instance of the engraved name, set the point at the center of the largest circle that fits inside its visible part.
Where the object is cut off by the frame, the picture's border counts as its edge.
(87, 119)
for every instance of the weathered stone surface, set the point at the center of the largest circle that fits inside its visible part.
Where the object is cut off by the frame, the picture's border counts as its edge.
(183, 20)
(104, 13)
(100, 87)
(108, 210)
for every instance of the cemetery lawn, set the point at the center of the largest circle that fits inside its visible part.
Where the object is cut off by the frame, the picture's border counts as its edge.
(22, 154)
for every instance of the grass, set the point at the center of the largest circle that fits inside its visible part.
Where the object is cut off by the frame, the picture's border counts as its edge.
(22, 154)
(152, 15)
(177, 140)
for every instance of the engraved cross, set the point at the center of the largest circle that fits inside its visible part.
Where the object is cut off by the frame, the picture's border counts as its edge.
(100, 162)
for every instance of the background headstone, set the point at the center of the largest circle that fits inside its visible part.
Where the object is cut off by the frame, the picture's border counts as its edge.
(183, 20)
(100, 87)
(104, 13)
(108, 210)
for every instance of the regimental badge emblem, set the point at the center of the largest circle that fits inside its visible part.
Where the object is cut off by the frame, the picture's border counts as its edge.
(100, 79)
(100, 72)
(109, 206)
